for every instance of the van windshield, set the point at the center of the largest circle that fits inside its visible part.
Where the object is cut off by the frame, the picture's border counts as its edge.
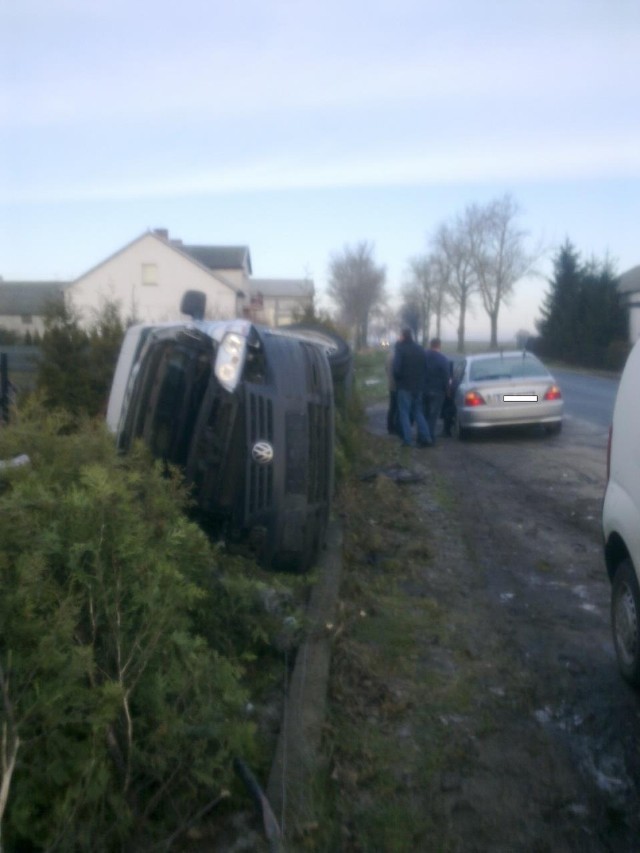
(173, 380)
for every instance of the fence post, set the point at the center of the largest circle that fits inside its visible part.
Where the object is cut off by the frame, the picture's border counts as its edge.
(4, 388)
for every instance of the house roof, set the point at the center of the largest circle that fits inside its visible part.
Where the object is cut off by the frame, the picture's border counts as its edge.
(205, 256)
(630, 281)
(19, 298)
(286, 287)
(219, 257)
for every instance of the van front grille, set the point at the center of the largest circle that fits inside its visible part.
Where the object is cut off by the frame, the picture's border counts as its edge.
(260, 476)
(260, 418)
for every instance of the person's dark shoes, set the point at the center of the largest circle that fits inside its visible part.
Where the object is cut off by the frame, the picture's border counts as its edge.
(425, 444)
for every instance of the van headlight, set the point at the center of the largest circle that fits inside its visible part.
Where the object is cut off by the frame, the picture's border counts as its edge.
(230, 360)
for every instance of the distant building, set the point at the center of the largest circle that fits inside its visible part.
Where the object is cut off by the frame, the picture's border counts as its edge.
(279, 301)
(147, 278)
(629, 288)
(23, 304)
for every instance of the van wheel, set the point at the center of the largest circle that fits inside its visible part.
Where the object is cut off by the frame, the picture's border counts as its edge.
(554, 429)
(337, 349)
(625, 621)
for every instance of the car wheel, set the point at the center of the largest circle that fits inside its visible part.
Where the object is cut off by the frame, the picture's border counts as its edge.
(554, 429)
(460, 432)
(625, 621)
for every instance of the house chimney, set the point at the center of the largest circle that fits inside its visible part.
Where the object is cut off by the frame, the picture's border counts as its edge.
(163, 233)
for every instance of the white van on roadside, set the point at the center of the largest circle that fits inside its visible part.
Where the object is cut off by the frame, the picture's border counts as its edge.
(621, 520)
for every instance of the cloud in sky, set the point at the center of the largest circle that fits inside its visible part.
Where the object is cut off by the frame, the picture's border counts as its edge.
(486, 162)
(222, 81)
(300, 94)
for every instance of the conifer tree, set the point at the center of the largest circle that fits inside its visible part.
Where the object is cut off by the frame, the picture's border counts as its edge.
(582, 316)
(558, 324)
(76, 365)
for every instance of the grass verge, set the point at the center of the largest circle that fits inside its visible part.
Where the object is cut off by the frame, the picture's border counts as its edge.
(384, 751)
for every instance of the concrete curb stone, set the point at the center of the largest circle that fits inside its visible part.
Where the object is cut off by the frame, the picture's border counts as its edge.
(290, 785)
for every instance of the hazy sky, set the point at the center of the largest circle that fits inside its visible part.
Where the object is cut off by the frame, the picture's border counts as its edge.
(297, 128)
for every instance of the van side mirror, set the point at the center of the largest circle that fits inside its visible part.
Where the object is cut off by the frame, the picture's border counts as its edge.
(194, 303)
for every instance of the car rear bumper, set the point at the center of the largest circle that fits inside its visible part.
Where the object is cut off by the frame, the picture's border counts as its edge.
(479, 417)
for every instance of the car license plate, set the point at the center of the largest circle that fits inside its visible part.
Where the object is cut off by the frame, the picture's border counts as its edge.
(519, 397)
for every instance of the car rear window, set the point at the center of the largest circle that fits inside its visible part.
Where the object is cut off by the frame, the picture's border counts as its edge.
(506, 367)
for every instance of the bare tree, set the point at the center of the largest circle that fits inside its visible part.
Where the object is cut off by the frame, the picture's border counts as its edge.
(496, 253)
(356, 285)
(418, 296)
(441, 288)
(426, 294)
(382, 320)
(453, 258)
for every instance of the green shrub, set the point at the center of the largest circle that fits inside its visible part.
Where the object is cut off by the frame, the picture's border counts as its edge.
(76, 365)
(121, 691)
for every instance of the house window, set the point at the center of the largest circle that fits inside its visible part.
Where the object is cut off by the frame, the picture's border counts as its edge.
(27, 319)
(150, 274)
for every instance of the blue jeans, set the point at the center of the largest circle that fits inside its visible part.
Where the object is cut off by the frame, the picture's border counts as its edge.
(411, 407)
(433, 407)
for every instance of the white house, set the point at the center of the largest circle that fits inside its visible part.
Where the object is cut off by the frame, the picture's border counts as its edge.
(148, 276)
(629, 287)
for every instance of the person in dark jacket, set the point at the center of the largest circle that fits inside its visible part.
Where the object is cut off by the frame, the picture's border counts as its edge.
(409, 372)
(393, 425)
(437, 384)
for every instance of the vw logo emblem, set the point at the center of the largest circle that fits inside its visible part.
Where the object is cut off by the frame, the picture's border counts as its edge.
(262, 452)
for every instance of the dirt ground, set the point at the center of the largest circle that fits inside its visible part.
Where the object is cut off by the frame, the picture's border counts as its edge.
(542, 752)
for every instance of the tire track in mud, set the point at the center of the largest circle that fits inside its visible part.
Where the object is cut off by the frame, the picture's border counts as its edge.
(567, 759)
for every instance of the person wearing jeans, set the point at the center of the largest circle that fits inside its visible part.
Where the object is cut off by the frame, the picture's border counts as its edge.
(437, 384)
(409, 372)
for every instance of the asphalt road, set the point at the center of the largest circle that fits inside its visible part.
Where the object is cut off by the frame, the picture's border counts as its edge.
(588, 397)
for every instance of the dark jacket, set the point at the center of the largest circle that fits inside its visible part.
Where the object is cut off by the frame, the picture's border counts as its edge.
(409, 367)
(438, 372)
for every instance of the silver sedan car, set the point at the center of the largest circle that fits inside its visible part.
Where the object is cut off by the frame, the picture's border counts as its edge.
(505, 389)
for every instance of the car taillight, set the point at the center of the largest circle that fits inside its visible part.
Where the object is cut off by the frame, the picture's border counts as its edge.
(554, 393)
(609, 452)
(472, 398)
